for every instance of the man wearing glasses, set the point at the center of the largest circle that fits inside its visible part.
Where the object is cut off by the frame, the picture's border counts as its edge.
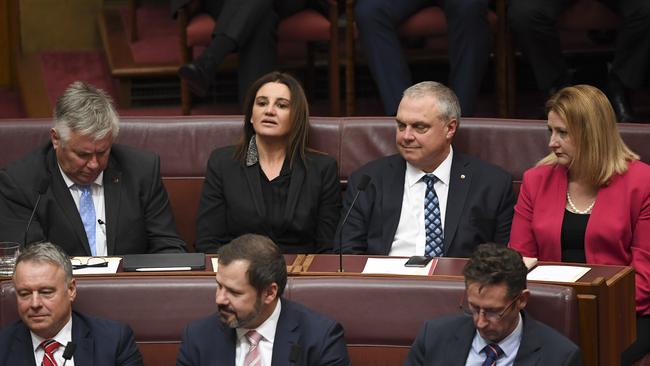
(495, 329)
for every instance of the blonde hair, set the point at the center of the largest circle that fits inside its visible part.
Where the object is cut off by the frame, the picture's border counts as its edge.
(591, 125)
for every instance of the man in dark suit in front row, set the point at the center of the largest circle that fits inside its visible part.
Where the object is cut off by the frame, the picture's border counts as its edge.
(45, 291)
(253, 325)
(495, 329)
(429, 199)
(96, 197)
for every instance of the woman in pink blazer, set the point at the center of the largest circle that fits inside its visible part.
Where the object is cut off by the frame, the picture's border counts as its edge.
(589, 200)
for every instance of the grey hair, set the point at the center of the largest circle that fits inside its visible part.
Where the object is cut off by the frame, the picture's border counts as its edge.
(46, 252)
(86, 110)
(446, 100)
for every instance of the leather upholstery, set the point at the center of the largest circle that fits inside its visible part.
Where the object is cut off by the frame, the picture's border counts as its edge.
(379, 312)
(185, 143)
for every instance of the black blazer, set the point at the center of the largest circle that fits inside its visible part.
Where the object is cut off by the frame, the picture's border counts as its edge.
(207, 342)
(232, 204)
(479, 208)
(100, 342)
(447, 341)
(138, 216)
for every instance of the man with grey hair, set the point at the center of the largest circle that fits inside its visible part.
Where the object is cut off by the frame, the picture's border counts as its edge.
(429, 199)
(96, 197)
(45, 291)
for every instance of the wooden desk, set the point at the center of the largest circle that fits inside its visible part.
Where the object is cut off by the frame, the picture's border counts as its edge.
(606, 300)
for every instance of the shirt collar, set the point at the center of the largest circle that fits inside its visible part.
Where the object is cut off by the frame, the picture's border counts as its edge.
(69, 183)
(509, 344)
(267, 328)
(63, 337)
(442, 172)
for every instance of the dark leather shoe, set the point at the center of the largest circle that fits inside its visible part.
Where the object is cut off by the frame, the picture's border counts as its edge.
(617, 94)
(196, 78)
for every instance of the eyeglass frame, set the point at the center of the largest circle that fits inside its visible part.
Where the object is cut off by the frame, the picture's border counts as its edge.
(489, 315)
(82, 265)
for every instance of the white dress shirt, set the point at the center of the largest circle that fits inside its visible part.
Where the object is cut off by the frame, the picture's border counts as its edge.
(410, 236)
(265, 345)
(63, 337)
(97, 189)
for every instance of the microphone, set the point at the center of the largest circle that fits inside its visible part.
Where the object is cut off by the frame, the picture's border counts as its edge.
(42, 188)
(363, 184)
(294, 355)
(68, 351)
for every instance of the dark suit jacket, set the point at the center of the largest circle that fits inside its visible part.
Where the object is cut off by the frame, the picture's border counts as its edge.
(138, 215)
(232, 204)
(100, 342)
(447, 341)
(479, 206)
(207, 342)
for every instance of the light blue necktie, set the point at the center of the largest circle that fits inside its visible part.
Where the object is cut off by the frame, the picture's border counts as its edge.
(432, 222)
(87, 212)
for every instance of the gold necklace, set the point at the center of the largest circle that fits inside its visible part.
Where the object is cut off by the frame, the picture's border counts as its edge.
(575, 209)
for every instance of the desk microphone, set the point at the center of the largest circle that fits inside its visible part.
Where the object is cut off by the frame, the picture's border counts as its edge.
(68, 351)
(294, 355)
(363, 184)
(42, 188)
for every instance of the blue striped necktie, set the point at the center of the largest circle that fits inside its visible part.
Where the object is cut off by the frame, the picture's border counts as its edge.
(434, 245)
(492, 354)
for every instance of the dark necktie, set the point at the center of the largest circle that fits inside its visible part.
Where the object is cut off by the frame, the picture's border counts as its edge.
(49, 346)
(492, 354)
(434, 245)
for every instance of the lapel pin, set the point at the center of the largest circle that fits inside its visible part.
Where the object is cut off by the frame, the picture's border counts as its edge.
(462, 176)
(116, 179)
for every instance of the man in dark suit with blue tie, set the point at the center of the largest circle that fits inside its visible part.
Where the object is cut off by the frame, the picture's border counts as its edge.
(45, 291)
(495, 329)
(254, 326)
(429, 199)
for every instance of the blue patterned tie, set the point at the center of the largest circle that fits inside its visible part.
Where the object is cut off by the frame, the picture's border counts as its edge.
(432, 222)
(87, 212)
(492, 354)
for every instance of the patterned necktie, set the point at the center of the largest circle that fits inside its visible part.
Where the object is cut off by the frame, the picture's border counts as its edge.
(49, 346)
(253, 357)
(432, 221)
(87, 212)
(492, 354)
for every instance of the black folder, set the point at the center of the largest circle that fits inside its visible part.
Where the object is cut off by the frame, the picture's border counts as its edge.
(163, 262)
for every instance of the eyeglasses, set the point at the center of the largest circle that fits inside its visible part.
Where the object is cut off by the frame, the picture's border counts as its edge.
(492, 316)
(90, 262)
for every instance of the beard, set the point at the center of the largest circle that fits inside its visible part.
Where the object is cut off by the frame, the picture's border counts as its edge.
(236, 320)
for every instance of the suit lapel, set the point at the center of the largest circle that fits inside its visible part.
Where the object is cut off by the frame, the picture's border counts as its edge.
(460, 180)
(112, 198)
(529, 350)
(84, 353)
(286, 335)
(393, 193)
(457, 349)
(295, 188)
(22, 350)
(64, 199)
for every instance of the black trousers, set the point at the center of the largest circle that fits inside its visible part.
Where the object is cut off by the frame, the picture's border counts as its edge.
(533, 23)
(469, 42)
(642, 345)
(252, 25)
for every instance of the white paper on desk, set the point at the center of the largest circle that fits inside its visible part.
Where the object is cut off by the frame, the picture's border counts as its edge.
(395, 266)
(113, 263)
(215, 264)
(557, 273)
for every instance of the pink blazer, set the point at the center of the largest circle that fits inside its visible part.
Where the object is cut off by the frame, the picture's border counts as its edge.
(618, 231)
